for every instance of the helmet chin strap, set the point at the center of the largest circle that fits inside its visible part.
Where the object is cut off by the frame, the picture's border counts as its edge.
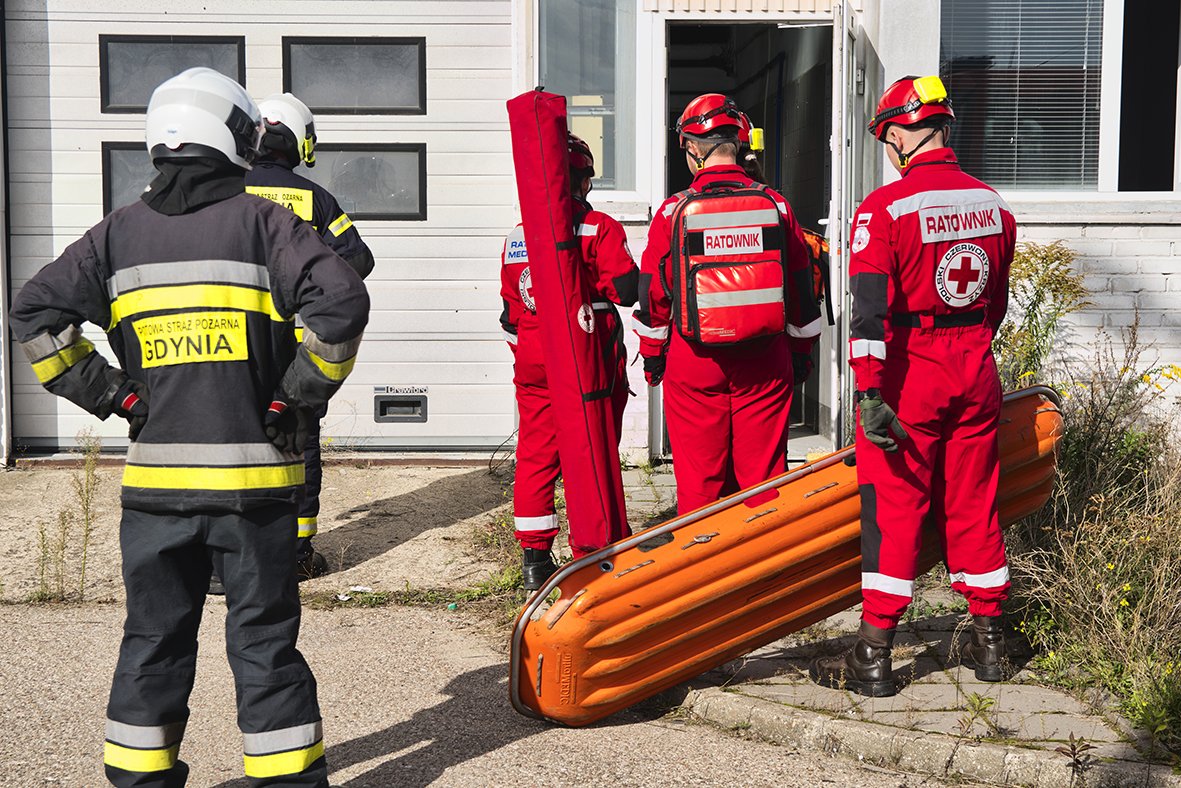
(904, 158)
(700, 160)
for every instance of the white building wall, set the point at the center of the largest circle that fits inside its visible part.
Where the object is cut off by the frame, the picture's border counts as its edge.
(436, 286)
(1130, 254)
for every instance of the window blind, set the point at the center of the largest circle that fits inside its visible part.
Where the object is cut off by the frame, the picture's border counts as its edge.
(1023, 76)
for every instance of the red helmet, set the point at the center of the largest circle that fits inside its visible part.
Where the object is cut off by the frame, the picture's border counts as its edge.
(744, 127)
(582, 160)
(711, 112)
(909, 101)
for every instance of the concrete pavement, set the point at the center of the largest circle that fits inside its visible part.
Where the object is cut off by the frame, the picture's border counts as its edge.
(410, 697)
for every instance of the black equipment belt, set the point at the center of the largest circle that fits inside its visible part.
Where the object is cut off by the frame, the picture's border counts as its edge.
(921, 319)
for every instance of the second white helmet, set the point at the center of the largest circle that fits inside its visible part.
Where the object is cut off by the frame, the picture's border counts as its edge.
(290, 118)
(202, 112)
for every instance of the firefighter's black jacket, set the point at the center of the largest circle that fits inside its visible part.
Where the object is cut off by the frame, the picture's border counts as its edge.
(314, 204)
(199, 307)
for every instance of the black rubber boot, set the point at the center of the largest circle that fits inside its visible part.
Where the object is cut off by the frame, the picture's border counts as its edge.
(865, 669)
(537, 566)
(215, 585)
(308, 563)
(985, 649)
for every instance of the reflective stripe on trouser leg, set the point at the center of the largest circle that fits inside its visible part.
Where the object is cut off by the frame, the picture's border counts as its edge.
(254, 553)
(165, 574)
(142, 748)
(538, 467)
(282, 752)
(895, 497)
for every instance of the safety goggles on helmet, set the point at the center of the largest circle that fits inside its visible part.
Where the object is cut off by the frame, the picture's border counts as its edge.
(921, 97)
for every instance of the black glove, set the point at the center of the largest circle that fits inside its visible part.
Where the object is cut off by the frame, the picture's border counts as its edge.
(878, 420)
(288, 426)
(654, 369)
(801, 367)
(131, 402)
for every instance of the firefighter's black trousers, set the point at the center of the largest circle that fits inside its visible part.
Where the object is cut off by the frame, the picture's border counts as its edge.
(166, 562)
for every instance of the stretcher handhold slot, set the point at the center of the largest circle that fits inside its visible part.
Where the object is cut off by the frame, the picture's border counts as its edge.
(828, 486)
(634, 568)
(763, 513)
(700, 539)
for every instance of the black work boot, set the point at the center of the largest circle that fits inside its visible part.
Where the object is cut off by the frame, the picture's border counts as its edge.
(865, 669)
(537, 566)
(308, 563)
(985, 649)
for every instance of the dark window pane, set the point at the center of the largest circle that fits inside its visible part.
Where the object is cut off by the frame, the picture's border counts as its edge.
(127, 170)
(1024, 77)
(384, 182)
(358, 75)
(132, 67)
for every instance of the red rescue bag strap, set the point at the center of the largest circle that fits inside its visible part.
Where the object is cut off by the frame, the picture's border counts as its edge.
(680, 197)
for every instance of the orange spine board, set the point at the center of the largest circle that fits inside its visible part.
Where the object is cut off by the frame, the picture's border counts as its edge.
(672, 602)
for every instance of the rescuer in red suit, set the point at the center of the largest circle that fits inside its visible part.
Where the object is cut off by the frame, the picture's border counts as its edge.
(726, 407)
(614, 278)
(929, 276)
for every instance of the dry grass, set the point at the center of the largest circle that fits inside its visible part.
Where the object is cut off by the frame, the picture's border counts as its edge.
(1098, 573)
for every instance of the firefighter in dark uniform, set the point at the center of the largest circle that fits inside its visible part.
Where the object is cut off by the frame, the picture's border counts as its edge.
(289, 140)
(197, 285)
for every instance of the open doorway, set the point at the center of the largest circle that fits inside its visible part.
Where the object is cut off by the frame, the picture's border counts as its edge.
(781, 76)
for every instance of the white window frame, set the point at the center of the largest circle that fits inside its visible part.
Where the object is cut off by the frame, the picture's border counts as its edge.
(1110, 95)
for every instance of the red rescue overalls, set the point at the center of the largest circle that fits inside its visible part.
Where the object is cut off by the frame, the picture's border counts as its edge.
(726, 407)
(614, 276)
(929, 276)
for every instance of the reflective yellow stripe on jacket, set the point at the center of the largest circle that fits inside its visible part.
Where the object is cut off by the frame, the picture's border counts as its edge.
(191, 284)
(52, 367)
(212, 466)
(342, 223)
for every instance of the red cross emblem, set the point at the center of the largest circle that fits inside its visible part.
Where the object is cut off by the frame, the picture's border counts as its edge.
(962, 274)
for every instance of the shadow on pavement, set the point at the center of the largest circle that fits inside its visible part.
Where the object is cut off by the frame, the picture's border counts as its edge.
(383, 524)
(474, 720)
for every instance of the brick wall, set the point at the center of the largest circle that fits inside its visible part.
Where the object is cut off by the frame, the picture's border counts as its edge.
(1130, 256)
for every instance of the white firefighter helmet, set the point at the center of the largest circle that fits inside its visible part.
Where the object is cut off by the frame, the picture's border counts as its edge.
(202, 112)
(290, 118)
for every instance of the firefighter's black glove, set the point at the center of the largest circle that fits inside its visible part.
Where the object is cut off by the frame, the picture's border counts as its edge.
(131, 402)
(878, 420)
(288, 426)
(801, 367)
(654, 369)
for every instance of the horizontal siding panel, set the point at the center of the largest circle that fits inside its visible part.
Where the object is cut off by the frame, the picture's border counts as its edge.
(442, 296)
(436, 288)
(489, 400)
(447, 322)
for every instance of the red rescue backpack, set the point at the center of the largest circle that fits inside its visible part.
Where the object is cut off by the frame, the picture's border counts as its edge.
(728, 267)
